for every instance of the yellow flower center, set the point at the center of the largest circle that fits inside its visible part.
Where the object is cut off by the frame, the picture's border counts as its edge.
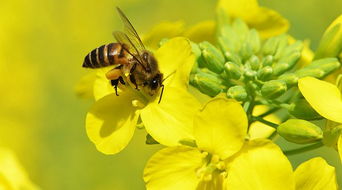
(212, 164)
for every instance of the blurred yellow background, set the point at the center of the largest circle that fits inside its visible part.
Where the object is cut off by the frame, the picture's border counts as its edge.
(43, 44)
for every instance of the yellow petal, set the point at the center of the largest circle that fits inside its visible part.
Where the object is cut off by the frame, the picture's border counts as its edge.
(203, 31)
(173, 168)
(111, 121)
(160, 31)
(268, 22)
(220, 127)
(102, 85)
(324, 97)
(261, 130)
(339, 146)
(12, 175)
(84, 87)
(315, 174)
(260, 165)
(176, 56)
(172, 119)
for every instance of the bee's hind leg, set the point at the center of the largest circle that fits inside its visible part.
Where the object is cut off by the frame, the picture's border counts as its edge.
(115, 83)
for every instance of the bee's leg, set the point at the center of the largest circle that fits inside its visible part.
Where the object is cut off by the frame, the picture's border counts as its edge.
(115, 83)
(122, 80)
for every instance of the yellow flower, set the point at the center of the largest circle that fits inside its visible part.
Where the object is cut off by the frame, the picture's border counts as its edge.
(111, 121)
(325, 98)
(12, 175)
(268, 22)
(223, 159)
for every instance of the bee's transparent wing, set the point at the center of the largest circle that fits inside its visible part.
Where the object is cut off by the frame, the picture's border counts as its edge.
(131, 32)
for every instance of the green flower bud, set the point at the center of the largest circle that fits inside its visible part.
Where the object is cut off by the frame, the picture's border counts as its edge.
(237, 92)
(289, 78)
(233, 57)
(246, 51)
(213, 57)
(273, 89)
(319, 68)
(207, 82)
(301, 109)
(249, 73)
(240, 28)
(331, 42)
(265, 73)
(268, 60)
(270, 46)
(300, 131)
(232, 71)
(254, 40)
(254, 62)
(286, 63)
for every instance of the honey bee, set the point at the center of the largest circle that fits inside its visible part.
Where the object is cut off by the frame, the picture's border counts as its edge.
(133, 63)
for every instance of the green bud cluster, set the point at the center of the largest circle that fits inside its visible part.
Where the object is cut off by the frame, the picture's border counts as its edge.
(242, 65)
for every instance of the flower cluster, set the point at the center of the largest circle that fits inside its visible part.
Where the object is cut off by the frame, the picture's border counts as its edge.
(223, 71)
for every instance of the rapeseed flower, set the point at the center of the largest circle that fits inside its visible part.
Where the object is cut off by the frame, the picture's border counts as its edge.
(111, 121)
(221, 158)
(325, 98)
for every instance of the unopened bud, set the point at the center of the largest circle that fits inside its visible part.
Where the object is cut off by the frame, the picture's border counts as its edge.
(207, 83)
(268, 60)
(319, 68)
(254, 40)
(232, 57)
(246, 51)
(332, 135)
(232, 71)
(213, 57)
(273, 89)
(286, 63)
(300, 131)
(301, 109)
(238, 93)
(254, 62)
(265, 73)
(331, 42)
(289, 78)
(249, 73)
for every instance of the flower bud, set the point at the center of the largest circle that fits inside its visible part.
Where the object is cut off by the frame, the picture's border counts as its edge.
(270, 46)
(319, 68)
(301, 109)
(254, 40)
(289, 78)
(300, 131)
(246, 51)
(237, 92)
(331, 42)
(332, 135)
(268, 60)
(232, 71)
(254, 62)
(286, 63)
(207, 82)
(213, 57)
(249, 73)
(273, 88)
(265, 73)
(233, 57)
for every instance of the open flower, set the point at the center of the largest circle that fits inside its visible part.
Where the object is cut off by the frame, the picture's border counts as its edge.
(111, 121)
(223, 159)
(325, 98)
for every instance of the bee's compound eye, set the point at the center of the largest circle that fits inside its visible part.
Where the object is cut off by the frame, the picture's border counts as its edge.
(154, 84)
(145, 56)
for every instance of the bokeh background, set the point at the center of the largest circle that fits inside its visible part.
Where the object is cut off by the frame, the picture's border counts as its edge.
(42, 46)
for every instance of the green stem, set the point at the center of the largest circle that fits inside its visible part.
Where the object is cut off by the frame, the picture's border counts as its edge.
(303, 149)
(269, 123)
(268, 112)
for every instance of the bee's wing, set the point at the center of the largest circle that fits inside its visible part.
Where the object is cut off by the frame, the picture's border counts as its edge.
(123, 38)
(130, 31)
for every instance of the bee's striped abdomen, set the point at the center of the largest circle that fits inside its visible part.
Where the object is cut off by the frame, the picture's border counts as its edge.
(103, 56)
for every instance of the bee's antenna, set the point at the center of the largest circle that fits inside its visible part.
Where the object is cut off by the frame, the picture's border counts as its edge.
(161, 94)
(168, 76)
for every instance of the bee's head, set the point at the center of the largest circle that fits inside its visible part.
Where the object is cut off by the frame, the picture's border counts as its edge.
(153, 85)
